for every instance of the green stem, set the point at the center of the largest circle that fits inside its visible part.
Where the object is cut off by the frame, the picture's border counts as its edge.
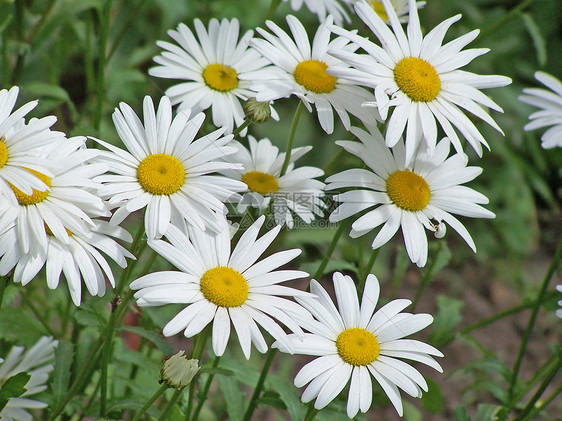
(170, 405)
(363, 278)
(531, 404)
(311, 412)
(544, 403)
(88, 362)
(426, 278)
(538, 376)
(245, 124)
(291, 138)
(102, 59)
(501, 22)
(18, 23)
(3, 285)
(42, 20)
(205, 390)
(198, 348)
(272, 8)
(329, 252)
(552, 268)
(149, 402)
(259, 386)
(40, 317)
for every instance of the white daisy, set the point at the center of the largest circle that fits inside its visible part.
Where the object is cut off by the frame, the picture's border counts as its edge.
(399, 6)
(19, 143)
(302, 70)
(295, 191)
(422, 194)
(224, 287)
(166, 170)
(214, 67)
(78, 258)
(352, 342)
(323, 8)
(550, 114)
(420, 77)
(37, 362)
(68, 205)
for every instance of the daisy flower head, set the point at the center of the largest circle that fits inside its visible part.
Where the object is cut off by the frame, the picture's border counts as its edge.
(304, 70)
(79, 258)
(296, 191)
(212, 67)
(550, 113)
(421, 78)
(424, 193)
(38, 363)
(399, 6)
(323, 8)
(67, 206)
(223, 286)
(19, 145)
(353, 343)
(165, 170)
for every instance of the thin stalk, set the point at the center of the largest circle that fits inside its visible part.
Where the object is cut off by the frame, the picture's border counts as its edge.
(310, 412)
(170, 405)
(329, 252)
(205, 390)
(531, 404)
(239, 129)
(259, 386)
(66, 316)
(102, 59)
(426, 278)
(508, 16)
(531, 323)
(291, 138)
(3, 285)
(42, 20)
(198, 348)
(544, 403)
(368, 267)
(272, 8)
(40, 317)
(149, 402)
(538, 376)
(89, 361)
(91, 400)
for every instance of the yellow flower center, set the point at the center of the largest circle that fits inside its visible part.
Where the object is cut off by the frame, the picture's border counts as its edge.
(224, 287)
(357, 346)
(220, 77)
(407, 190)
(161, 174)
(49, 232)
(379, 9)
(3, 153)
(417, 78)
(37, 196)
(313, 76)
(260, 182)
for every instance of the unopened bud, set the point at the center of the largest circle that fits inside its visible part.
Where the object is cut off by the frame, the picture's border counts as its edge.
(257, 112)
(178, 371)
(440, 229)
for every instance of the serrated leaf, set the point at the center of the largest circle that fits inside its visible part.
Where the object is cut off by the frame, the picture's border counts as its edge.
(233, 396)
(433, 399)
(64, 354)
(489, 412)
(13, 387)
(447, 318)
(18, 325)
(289, 396)
(155, 338)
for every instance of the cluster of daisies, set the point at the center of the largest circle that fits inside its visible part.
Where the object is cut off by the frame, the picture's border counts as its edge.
(62, 203)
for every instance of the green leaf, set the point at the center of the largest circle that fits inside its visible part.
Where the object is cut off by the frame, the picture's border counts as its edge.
(61, 374)
(155, 338)
(244, 373)
(19, 325)
(433, 399)
(447, 318)
(333, 265)
(489, 412)
(411, 413)
(272, 399)
(461, 414)
(536, 35)
(288, 394)
(233, 396)
(13, 387)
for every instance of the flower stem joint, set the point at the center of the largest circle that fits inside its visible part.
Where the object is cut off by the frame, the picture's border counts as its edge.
(178, 371)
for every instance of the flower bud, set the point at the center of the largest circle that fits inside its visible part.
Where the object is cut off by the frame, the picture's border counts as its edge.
(257, 112)
(178, 371)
